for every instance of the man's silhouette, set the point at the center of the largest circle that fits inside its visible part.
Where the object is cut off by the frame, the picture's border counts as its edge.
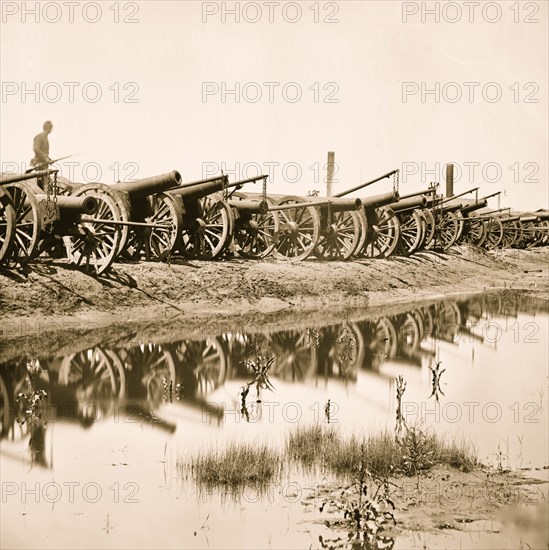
(41, 146)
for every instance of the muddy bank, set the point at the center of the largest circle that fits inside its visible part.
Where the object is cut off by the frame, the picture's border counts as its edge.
(52, 306)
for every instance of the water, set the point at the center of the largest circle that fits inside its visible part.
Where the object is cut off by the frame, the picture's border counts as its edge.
(97, 453)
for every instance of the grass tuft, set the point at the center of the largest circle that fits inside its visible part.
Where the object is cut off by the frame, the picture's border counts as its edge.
(239, 465)
(382, 454)
(309, 445)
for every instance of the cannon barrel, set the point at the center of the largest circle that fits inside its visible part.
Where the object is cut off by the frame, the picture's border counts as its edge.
(363, 185)
(22, 177)
(379, 200)
(529, 218)
(451, 207)
(449, 199)
(150, 186)
(543, 216)
(250, 180)
(468, 208)
(490, 214)
(409, 204)
(417, 194)
(509, 219)
(250, 206)
(492, 195)
(337, 204)
(82, 204)
(214, 185)
(206, 180)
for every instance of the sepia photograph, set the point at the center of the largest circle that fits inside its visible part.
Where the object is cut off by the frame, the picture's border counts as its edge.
(274, 274)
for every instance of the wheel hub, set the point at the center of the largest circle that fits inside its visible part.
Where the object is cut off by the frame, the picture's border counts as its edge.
(291, 228)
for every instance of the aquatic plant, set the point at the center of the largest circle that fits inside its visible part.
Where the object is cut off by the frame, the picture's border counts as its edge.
(260, 368)
(400, 420)
(367, 511)
(169, 391)
(309, 445)
(236, 467)
(313, 338)
(382, 453)
(436, 373)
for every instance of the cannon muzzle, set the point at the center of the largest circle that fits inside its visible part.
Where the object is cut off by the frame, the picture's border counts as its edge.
(83, 205)
(149, 186)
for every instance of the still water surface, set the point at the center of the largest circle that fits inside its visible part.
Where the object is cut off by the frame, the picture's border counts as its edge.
(92, 461)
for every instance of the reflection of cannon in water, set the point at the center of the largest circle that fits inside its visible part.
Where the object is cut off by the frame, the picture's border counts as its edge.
(334, 351)
(91, 384)
(145, 376)
(138, 378)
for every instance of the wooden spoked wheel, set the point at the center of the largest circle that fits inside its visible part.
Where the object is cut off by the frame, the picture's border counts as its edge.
(299, 231)
(430, 227)
(512, 233)
(494, 236)
(161, 239)
(383, 232)
(411, 232)
(94, 247)
(28, 222)
(255, 233)
(447, 229)
(7, 226)
(339, 236)
(207, 229)
(363, 227)
(530, 235)
(475, 230)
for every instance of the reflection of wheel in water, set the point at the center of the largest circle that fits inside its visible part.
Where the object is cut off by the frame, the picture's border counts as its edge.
(447, 321)
(349, 349)
(155, 367)
(387, 341)
(6, 408)
(295, 357)
(493, 304)
(409, 334)
(425, 318)
(475, 309)
(207, 361)
(94, 371)
(418, 315)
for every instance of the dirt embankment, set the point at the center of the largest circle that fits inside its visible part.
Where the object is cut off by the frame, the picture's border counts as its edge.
(52, 305)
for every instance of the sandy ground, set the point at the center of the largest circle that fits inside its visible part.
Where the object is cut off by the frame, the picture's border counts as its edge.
(53, 306)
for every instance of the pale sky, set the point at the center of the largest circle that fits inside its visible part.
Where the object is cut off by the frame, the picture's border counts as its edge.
(362, 60)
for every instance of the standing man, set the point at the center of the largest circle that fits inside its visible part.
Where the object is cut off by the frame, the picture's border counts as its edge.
(42, 160)
(41, 146)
